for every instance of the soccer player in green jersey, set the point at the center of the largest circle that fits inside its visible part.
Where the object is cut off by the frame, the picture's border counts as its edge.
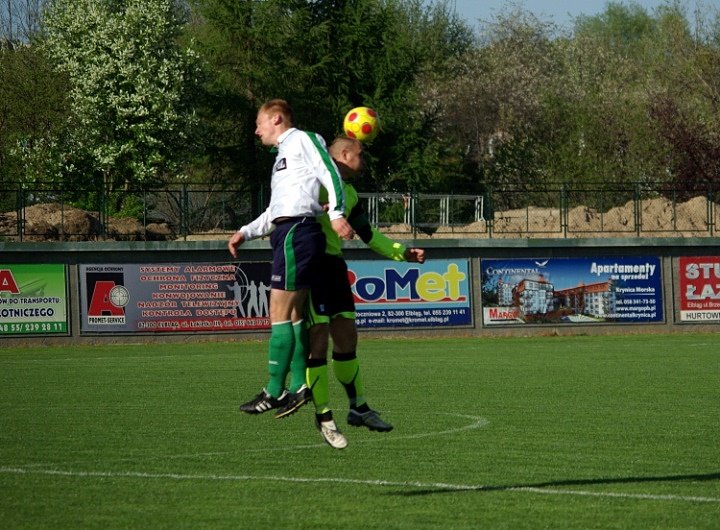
(331, 312)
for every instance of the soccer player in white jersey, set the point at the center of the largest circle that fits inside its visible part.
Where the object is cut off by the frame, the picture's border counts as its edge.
(301, 168)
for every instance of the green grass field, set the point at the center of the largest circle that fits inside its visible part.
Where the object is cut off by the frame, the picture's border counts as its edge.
(553, 432)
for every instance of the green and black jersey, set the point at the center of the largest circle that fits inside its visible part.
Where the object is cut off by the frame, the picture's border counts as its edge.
(357, 218)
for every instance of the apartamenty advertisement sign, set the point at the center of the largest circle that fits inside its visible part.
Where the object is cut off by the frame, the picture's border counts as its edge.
(33, 299)
(571, 290)
(390, 294)
(699, 288)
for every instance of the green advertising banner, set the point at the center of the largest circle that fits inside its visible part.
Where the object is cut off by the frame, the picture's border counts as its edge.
(33, 299)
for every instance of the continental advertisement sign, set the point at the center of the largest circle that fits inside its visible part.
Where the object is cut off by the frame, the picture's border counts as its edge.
(591, 290)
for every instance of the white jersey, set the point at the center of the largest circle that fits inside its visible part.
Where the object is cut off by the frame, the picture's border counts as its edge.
(301, 167)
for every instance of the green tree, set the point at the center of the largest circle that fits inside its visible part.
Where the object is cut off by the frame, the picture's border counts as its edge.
(326, 57)
(606, 134)
(491, 105)
(131, 93)
(685, 100)
(33, 104)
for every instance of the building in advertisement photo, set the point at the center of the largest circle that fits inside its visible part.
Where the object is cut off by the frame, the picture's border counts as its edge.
(505, 293)
(539, 297)
(595, 299)
(534, 297)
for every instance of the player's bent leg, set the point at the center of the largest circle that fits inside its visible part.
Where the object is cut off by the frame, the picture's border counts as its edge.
(345, 363)
(370, 419)
(344, 332)
(347, 370)
(317, 381)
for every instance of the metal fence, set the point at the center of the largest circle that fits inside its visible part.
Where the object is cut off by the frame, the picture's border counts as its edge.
(199, 211)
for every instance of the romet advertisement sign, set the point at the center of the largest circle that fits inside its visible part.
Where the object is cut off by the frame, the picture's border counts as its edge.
(397, 294)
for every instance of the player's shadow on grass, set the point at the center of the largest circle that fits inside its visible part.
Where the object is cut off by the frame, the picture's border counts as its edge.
(569, 482)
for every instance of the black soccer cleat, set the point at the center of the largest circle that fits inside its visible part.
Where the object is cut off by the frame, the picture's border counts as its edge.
(370, 419)
(264, 402)
(294, 402)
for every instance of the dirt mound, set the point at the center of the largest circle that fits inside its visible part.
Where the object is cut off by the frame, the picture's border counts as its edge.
(658, 217)
(58, 222)
(654, 218)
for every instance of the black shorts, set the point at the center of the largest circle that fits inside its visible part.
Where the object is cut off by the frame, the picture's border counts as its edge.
(298, 244)
(331, 297)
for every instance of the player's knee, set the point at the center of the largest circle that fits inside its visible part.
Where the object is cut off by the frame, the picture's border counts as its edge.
(318, 341)
(344, 334)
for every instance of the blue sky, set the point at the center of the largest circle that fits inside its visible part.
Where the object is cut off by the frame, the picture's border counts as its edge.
(560, 12)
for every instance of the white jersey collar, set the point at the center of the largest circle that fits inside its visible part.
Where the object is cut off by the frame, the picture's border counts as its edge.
(284, 135)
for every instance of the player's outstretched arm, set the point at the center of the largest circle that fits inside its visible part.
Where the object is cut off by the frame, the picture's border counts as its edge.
(379, 242)
(258, 227)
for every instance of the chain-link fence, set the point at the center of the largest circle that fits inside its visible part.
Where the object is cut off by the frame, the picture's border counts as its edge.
(200, 211)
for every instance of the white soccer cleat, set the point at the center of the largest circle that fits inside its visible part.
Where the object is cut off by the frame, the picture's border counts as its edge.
(331, 434)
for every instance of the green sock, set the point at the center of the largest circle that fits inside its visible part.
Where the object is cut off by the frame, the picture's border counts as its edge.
(299, 357)
(347, 371)
(317, 381)
(282, 342)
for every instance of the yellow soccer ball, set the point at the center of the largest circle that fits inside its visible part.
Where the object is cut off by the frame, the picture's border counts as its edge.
(362, 123)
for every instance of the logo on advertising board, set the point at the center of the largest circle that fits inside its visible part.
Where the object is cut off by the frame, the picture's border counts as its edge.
(108, 297)
(699, 289)
(412, 285)
(397, 294)
(8, 283)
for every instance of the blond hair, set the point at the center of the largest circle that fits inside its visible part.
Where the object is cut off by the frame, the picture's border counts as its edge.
(279, 106)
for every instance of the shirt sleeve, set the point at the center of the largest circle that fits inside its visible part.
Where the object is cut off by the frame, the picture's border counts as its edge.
(259, 227)
(373, 238)
(385, 246)
(328, 174)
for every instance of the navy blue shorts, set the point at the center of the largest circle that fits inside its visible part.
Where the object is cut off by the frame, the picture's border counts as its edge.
(331, 297)
(298, 243)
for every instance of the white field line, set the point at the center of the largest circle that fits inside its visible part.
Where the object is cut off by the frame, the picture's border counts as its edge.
(339, 480)
(477, 423)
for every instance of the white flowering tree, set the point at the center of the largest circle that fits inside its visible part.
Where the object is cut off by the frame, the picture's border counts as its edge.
(132, 85)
